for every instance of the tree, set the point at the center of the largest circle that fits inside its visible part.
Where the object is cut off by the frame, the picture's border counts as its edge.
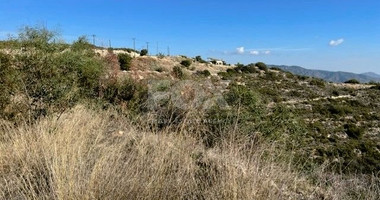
(143, 52)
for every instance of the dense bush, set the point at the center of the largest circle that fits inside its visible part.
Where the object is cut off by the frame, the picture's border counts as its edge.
(262, 66)
(186, 63)
(318, 82)
(126, 90)
(125, 61)
(231, 71)
(353, 81)
(376, 87)
(245, 69)
(205, 73)
(82, 44)
(143, 52)
(224, 75)
(353, 131)
(250, 68)
(46, 79)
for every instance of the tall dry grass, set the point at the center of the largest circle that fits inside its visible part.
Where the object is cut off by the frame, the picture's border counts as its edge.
(87, 154)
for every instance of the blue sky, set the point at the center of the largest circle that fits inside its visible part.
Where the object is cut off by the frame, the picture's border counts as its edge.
(337, 35)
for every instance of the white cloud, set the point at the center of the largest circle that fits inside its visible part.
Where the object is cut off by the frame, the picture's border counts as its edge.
(267, 52)
(336, 42)
(255, 53)
(240, 50)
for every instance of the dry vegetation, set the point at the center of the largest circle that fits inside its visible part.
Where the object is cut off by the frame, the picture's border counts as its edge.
(89, 154)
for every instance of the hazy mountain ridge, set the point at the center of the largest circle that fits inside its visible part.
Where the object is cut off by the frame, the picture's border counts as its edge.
(338, 76)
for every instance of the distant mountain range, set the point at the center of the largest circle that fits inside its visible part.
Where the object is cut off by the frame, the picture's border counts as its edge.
(338, 77)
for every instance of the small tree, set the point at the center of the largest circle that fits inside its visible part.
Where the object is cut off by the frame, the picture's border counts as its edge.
(125, 61)
(186, 63)
(143, 52)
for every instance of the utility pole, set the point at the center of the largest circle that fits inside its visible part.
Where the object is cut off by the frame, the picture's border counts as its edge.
(134, 43)
(93, 39)
(157, 49)
(147, 47)
(168, 51)
(109, 43)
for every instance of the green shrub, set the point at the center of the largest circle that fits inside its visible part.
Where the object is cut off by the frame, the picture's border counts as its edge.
(277, 69)
(47, 80)
(250, 68)
(353, 131)
(353, 81)
(242, 96)
(224, 75)
(199, 59)
(118, 91)
(186, 63)
(289, 75)
(7, 79)
(177, 72)
(272, 76)
(245, 69)
(376, 87)
(124, 61)
(231, 71)
(262, 66)
(143, 52)
(302, 78)
(37, 37)
(205, 73)
(81, 44)
(318, 82)
(335, 93)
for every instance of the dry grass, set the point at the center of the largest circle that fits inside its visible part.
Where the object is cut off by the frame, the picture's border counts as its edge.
(87, 154)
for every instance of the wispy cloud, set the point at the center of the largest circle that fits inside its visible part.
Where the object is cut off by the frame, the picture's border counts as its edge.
(337, 42)
(260, 51)
(255, 53)
(279, 49)
(240, 50)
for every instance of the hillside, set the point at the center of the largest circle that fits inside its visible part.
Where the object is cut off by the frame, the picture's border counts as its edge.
(338, 77)
(78, 122)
